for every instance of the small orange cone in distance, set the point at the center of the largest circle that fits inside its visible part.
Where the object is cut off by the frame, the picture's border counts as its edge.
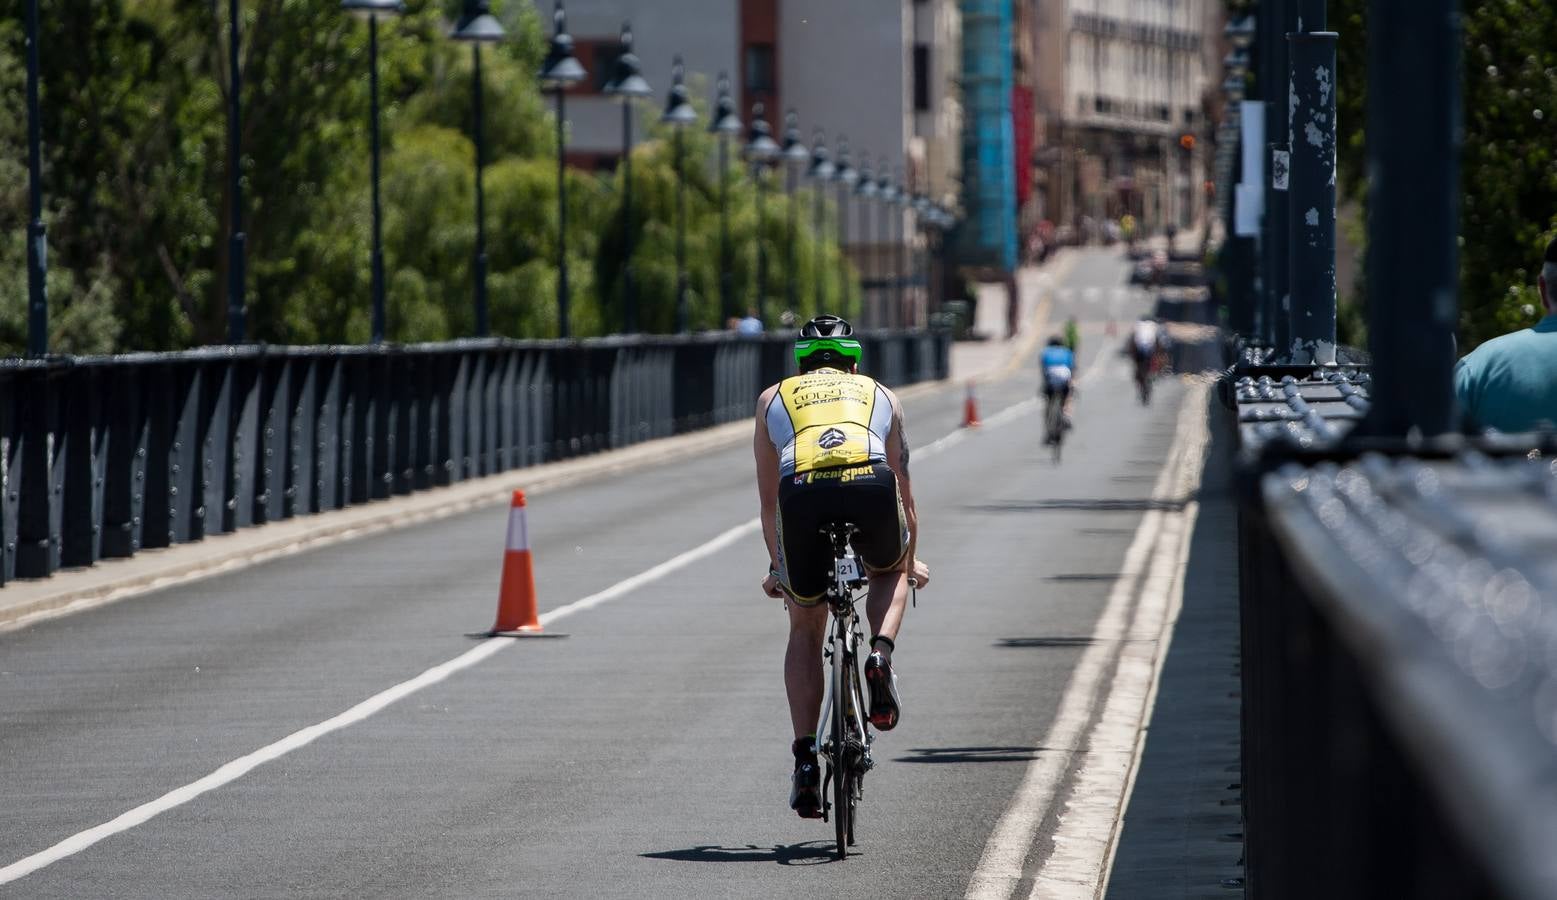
(970, 409)
(516, 597)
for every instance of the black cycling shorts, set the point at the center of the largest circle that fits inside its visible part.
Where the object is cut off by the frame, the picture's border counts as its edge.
(864, 496)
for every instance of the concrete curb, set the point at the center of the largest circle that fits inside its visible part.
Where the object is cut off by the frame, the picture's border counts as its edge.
(23, 603)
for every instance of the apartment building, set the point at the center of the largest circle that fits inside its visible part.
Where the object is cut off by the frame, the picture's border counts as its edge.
(1121, 89)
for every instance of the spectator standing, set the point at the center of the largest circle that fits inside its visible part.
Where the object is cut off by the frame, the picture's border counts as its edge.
(751, 326)
(1510, 382)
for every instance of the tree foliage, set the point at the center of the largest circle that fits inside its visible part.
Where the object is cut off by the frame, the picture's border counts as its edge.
(136, 178)
(1508, 161)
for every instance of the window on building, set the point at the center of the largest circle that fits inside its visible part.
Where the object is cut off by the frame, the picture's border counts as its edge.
(922, 77)
(759, 69)
(598, 57)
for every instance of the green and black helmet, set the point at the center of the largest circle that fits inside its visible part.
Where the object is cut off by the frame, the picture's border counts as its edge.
(827, 340)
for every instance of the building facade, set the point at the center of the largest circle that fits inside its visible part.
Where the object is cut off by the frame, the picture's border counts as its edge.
(1121, 88)
(881, 74)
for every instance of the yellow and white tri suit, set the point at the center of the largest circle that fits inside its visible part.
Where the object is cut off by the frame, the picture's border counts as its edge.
(830, 429)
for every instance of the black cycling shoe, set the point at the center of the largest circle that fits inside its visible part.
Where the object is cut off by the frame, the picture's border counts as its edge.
(805, 796)
(882, 681)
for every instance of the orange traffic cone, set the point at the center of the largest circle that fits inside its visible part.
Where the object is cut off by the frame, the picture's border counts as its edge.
(516, 598)
(970, 409)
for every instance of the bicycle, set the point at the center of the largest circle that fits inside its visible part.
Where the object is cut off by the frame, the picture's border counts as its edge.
(1054, 422)
(843, 731)
(1143, 379)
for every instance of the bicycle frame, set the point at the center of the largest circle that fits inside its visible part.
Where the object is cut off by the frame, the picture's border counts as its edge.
(842, 652)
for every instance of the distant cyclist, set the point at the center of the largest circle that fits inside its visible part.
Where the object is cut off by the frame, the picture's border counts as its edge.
(1148, 341)
(1058, 364)
(830, 447)
(1073, 335)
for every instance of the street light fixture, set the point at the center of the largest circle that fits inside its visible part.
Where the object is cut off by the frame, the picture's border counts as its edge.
(680, 113)
(820, 172)
(846, 177)
(760, 151)
(865, 189)
(795, 155)
(1240, 32)
(371, 10)
(560, 71)
(725, 123)
(477, 26)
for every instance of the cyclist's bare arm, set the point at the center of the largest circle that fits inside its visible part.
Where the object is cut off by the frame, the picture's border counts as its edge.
(897, 458)
(767, 483)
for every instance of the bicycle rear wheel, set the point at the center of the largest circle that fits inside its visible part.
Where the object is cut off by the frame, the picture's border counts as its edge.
(1054, 425)
(842, 775)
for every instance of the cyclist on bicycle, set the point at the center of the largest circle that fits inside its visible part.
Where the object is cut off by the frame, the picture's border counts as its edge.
(1147, 340)
(1058, 363)
(830, 447)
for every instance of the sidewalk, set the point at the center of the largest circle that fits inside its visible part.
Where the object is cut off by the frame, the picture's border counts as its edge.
(998, 356)
(1182, 831)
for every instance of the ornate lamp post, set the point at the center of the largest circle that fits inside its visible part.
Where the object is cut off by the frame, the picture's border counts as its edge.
(760, 152)
(560, 71)
(726, 124)
(628, 84)
(846, 177)
(795, 155)
(903, 198)
(37, 234)
(865, 189)
(820, 173)
(371, 10)
(236, 318)
(679, 113)
(887, 192)
(477, 26)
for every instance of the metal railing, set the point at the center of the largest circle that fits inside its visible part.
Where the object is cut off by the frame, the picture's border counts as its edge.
(104, 456)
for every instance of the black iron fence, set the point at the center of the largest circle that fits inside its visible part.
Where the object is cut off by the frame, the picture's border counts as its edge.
(105, 456)
(1398, 603)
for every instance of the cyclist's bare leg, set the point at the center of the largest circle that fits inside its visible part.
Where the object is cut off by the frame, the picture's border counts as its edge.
(803, 665)
(888, 598)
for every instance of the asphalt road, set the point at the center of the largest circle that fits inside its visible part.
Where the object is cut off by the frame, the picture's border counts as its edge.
(644, 756)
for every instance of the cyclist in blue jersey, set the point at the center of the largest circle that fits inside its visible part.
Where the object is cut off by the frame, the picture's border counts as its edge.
(1058, 365)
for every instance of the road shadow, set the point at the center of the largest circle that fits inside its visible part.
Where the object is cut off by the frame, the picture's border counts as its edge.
(809, 853)
(1046, 642)
(1097, 505)
(969, 754)
(1084, 576)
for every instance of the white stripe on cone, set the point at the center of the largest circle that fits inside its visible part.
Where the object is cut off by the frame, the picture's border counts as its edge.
(518, 530)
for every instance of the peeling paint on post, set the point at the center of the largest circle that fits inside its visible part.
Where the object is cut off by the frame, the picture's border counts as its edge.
(1276, 210)
(1311, 134)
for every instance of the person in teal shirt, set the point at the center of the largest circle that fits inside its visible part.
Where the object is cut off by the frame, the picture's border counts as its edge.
(1510, 382)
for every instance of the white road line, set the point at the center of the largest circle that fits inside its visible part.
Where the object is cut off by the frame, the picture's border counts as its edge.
(241, 766)
(1000, 868)
(1087, 829)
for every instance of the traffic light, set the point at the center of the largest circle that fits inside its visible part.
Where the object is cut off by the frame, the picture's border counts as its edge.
(1187, 141)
